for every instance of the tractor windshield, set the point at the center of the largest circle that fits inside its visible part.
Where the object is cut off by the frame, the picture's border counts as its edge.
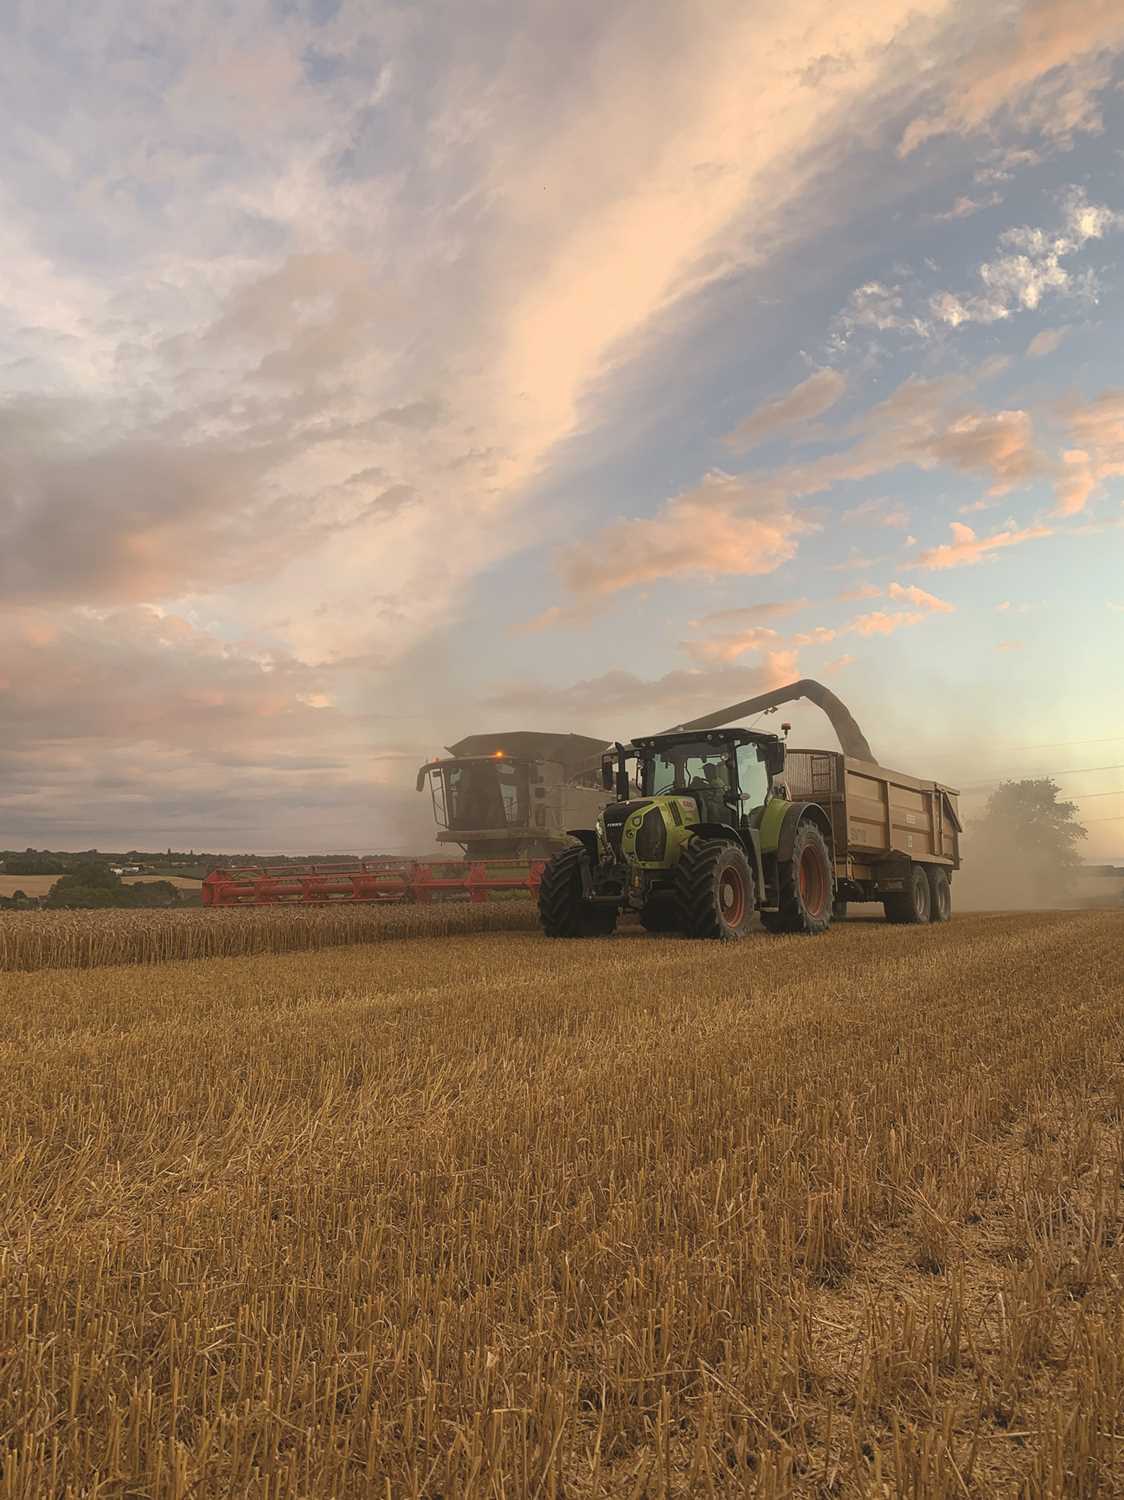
(694, 765)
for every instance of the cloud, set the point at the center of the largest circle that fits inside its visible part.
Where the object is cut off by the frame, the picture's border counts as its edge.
(878, 622)
(837, 664)
(1029, 266)
(863, 591)
(418, 270)
(879, 307)
(820, 636)
(966, 548)
(597, 704)
(810, 399)
(1096, 428)
(750, 524)
(1042, 63)
(138, 726)
(880, 512)
(720, 527)
(1045, 342)
(751, 614)
(964, 207)
(920, 599)
(730, 647)
(1010, 645)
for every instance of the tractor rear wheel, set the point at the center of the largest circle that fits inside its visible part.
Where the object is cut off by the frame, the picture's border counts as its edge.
(806, 886)
(714, 893)
(660, 914)
(912, 906)
(940, 894)
(563, 910)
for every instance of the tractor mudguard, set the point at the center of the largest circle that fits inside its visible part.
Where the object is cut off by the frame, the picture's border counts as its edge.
(797, 813)
(750, 842)
(588, 840)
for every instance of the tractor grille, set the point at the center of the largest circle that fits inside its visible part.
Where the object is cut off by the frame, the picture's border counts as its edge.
(651, 840)
(615, 815)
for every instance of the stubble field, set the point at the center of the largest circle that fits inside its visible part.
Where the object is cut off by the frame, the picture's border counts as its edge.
(490, 1216)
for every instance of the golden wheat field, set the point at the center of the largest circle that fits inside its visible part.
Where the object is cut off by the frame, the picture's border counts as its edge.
(94, 939)
(488, 1216)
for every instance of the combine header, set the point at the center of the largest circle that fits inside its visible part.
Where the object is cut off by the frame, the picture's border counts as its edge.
(370, 881)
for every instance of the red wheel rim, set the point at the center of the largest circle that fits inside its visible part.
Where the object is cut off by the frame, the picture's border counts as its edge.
(813, 886)
(731, 897)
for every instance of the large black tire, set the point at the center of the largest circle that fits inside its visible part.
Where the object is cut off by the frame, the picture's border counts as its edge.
(660, 914)
(912, 906)
(714, 890)
(563, 911)
(940, 894)
(807, 886)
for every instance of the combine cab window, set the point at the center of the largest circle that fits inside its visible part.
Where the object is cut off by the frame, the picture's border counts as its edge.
(485, 794)
(753, 777)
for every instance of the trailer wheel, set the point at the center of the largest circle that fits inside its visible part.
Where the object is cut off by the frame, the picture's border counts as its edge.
(838, 910)
(940, 894)
(913, 905)
(563, 910)
(714, 893)
(806, 886)
(660, 914)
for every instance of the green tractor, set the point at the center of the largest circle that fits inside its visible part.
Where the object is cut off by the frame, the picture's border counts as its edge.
(710, 840)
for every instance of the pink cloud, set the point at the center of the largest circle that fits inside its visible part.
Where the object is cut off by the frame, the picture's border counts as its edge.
(1044, 66)
(838, 664)
(1045, 342)
(966, 548)
(724, 525)
(820, 636)
(920, 599)
(730, 647)
(863, 591)
(806, 401)
(878, 622)
(1097, 428)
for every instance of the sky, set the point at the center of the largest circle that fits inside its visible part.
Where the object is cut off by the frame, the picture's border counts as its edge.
(374, 373)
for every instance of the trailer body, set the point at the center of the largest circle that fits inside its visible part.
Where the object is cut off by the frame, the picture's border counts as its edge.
(883, 822)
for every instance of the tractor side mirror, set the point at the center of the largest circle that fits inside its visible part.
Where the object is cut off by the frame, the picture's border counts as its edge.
(607, 773)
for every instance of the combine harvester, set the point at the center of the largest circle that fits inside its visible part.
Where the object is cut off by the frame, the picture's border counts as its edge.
(506, 800)
(511, 802)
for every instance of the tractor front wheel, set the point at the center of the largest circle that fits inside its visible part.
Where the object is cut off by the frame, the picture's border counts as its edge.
(714, 890)
(563, 910)
(806, 886)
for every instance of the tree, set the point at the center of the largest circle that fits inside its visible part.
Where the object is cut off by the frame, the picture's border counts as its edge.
(1023, 850)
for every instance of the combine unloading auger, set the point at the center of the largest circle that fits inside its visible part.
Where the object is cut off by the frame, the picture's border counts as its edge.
(852, 741)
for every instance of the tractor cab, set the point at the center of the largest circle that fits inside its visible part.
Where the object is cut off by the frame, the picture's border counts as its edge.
(727, 773)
